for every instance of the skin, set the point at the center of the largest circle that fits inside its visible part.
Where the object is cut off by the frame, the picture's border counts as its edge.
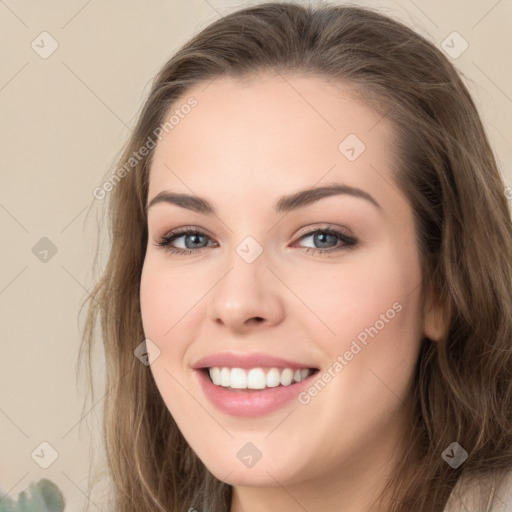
(242, 147)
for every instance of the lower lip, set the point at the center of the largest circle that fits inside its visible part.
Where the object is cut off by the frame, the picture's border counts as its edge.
(246, 403)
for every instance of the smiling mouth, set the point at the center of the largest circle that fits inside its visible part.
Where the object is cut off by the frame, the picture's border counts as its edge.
(248, 379)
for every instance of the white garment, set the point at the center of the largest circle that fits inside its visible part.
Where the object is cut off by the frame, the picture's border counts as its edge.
(468, 500)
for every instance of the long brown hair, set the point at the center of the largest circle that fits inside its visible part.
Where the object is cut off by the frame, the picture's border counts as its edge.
(462, 387)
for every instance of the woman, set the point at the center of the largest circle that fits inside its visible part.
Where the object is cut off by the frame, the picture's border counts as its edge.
(307, 303)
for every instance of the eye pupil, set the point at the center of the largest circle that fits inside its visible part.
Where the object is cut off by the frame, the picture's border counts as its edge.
(321, 237)
(194, 236)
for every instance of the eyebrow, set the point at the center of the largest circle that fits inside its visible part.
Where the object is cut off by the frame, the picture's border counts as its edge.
(284, 204)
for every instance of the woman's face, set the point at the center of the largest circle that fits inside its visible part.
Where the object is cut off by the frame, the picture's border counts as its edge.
(256, 297)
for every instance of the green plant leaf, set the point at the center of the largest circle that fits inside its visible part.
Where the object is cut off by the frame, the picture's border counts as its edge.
(43, 496)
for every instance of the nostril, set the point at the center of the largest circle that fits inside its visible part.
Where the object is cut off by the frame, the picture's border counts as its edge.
(257, 319)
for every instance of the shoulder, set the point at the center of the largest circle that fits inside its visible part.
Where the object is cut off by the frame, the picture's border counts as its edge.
(475, 494)
(504, 494)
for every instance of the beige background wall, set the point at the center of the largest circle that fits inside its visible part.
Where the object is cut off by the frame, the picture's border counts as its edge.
(63, 120)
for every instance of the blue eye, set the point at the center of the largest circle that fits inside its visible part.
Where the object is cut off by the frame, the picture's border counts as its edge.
(322, 236)
(197, 237)
(184, 233)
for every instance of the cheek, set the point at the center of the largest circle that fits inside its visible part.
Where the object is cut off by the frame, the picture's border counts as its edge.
(374, 312)
(161, 311)
(171, 303)
(168, 299)
(348, 299)
(154, 302)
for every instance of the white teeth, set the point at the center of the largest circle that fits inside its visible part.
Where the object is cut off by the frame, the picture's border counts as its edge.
(225, 376)
(286, 377)
(215, 375)
(238, 378)
(273, 378)
(256, 378)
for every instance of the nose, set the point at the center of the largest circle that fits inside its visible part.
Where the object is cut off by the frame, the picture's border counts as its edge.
(247, 297)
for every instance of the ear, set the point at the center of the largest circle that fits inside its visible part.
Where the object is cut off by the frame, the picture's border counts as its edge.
(434, 318)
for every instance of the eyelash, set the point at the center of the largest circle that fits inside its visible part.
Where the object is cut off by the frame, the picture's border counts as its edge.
(166, 240)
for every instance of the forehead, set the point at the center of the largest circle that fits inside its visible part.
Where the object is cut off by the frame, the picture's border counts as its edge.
(272, 133)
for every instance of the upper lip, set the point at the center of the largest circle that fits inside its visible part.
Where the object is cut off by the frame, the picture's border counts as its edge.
(247, 360)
